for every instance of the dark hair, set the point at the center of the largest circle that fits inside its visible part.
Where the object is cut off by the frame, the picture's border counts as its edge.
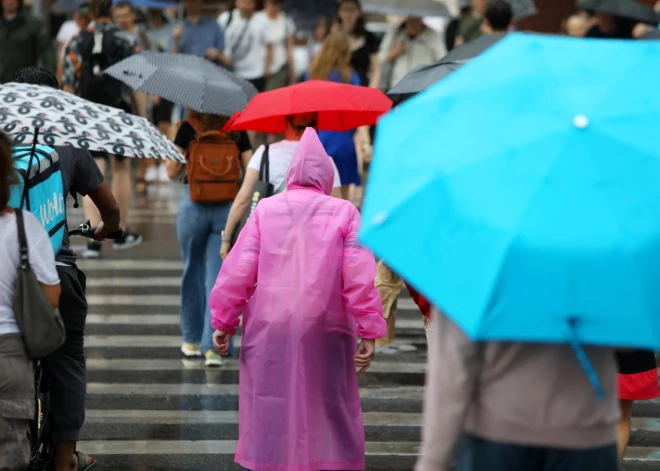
(36, 76)
(100, 8)
(8, 175)
(499, 15)
(360, 28)
(123, 4)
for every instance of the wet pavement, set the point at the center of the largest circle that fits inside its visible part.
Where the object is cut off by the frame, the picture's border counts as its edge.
(148, 408)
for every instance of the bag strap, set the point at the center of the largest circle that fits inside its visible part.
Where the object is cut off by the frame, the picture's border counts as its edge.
(22, 240)
(264, 171)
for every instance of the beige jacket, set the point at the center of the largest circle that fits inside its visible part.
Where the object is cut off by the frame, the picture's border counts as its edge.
(522, 394)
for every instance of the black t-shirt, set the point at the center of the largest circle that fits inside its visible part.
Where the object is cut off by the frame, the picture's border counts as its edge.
(361, 58)
(80, 174)
(187, 134)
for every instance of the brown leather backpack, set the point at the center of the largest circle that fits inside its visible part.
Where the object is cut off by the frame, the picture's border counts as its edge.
(214, 166)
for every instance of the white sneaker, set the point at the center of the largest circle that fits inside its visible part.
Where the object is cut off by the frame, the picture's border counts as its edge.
(213, 359)
(191, 350)
(152, 174)
(162, 174)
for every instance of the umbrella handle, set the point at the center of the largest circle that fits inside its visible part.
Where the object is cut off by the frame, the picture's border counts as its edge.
(586, 365)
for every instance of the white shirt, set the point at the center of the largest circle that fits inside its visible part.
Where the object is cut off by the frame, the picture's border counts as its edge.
(42, 260)
(280, 156)
(68, 30)
(277, 33)
(245, 44)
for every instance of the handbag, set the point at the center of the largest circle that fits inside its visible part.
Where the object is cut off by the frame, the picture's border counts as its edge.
(262, 189)
(40, 324)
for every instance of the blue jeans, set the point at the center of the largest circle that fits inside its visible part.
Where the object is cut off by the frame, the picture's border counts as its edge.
(199, 227)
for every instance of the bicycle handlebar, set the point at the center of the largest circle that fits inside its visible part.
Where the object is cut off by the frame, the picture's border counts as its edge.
(87, 230)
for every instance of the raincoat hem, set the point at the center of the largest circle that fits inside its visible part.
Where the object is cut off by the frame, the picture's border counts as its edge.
(318, 466)
(222, 327)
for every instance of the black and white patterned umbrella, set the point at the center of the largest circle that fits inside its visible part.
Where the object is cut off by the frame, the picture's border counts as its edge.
(186, 80)
(64, 119)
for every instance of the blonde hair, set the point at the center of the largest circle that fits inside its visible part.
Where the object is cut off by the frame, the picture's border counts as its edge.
(335, 54)
(213, 122)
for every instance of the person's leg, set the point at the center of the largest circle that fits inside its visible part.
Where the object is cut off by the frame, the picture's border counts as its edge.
(217, 215)
(601, 459)
(476, 454)
(192, 230)
(428, 330)
(121, 186)
(345, 192)
(66, 368)
(141, 176)
(91, 212)
(625, 424)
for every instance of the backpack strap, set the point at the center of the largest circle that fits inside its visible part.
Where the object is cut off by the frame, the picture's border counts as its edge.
(22, 240)
(264, 170)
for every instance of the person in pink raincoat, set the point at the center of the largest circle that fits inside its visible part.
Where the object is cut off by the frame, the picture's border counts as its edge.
(306, 290)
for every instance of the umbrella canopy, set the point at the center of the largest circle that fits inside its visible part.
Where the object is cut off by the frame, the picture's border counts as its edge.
(68, 6)
(67, 120)
(542, 224)
(420, 78)
(655, 34)
(523, 8)
(340, 107)
(630, 9)
(187, 80)
(418, 8)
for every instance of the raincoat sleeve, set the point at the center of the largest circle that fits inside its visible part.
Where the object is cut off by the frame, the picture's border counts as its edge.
(359, 291)
(237, 279)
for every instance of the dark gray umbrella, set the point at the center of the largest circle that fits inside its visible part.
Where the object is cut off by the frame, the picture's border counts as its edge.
(629, 9)
(186, 80)
(655, 34)
(422, 77)
(418, 8)
(68, 6)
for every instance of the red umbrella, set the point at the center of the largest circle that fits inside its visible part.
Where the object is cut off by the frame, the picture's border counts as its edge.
(340, 107)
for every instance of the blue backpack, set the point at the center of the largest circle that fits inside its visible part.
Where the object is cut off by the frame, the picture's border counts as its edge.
(40, 189)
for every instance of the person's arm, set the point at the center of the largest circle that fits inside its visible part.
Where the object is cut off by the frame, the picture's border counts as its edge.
(451, 382)
(141, 99)
(237, 279)
(105, 202)
(270, 52)
(238, 208)
(359, 291)
(290, 45)
(374, 64)
(177, 34)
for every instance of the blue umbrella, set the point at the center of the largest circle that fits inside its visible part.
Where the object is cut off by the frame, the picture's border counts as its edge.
(521, 194)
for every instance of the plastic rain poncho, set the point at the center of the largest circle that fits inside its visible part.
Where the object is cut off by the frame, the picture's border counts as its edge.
(306, 291)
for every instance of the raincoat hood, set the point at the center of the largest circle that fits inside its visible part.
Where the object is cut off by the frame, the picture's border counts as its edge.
(311, 167)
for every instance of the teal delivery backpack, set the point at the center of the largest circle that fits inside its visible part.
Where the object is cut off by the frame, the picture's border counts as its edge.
(40, 189)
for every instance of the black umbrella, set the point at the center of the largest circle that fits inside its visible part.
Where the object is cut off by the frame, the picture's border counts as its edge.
(472, 49)
(422, 77)
(630, 9)
(655, 34)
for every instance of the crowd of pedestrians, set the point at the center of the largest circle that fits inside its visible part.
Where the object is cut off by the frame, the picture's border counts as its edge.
(313, 301)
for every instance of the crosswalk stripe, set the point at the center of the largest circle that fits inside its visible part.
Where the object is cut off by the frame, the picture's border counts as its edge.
(119, 282)
(130, 264)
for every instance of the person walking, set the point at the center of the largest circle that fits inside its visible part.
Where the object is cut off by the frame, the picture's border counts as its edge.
(407, 46)
(25, 41)
(364, 44)
(280, 156)
(199, 35)
(280, 68)
(333, 63)
(200, 228)
(516, 406)
(469, 25)
(66, 366)
(245, 42)
(17, 393)
(82, 75)
(314, 297)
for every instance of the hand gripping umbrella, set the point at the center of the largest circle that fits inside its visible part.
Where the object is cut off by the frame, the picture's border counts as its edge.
(340, 107)
(186, 80)
(67, 120)
(543, 225)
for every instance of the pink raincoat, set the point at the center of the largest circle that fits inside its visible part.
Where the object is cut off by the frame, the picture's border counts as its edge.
(306, 291)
